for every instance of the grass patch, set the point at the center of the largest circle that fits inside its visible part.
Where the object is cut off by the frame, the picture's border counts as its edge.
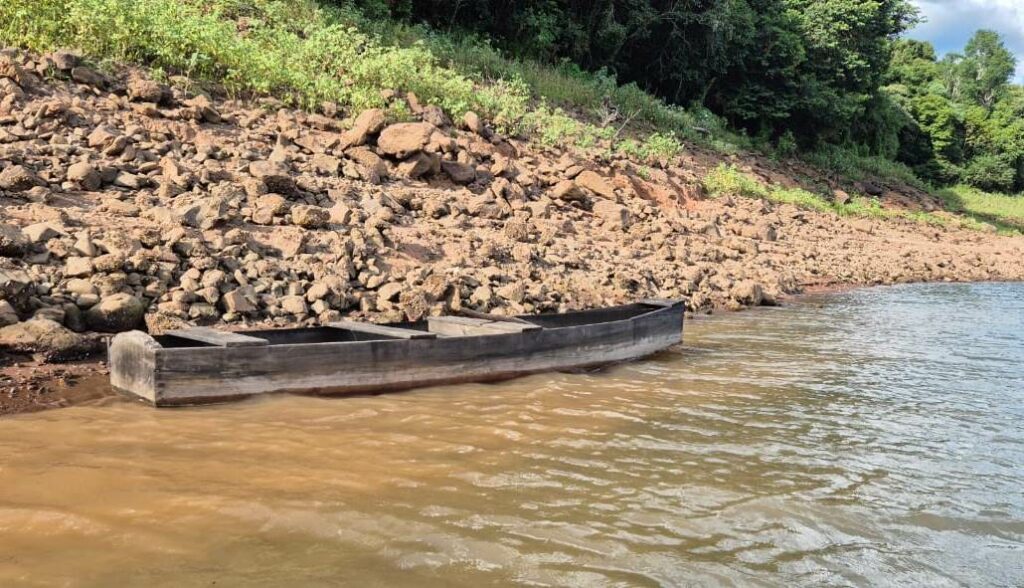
(1004, 212)
(727, 180)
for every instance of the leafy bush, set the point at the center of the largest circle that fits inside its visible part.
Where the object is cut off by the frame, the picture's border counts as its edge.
(995, 173)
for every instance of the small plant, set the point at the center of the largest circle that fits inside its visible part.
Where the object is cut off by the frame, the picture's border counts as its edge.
(726, 180)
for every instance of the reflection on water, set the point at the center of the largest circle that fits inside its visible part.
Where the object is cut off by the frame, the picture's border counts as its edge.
(875, 439)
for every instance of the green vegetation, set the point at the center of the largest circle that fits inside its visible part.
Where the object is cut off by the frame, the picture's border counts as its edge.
(1005, 213)
(962, 119)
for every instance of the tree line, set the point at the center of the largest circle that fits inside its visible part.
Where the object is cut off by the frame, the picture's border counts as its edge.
(795, 73)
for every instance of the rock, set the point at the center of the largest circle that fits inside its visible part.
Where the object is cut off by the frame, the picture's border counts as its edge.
(310, 217)
(840, 197)
(14, 286)
(80, 286)
(417, 166)
(17, 178)
(295, 305)
(204, 215)
(371, 167)
(472, 122)
(85, 176)
(173, 173)
(44, 336)
(595, 183)
(460, 173)
(89, 77)
(747, 292)
(77, 267)
(130, 180)
(389, 292)
(84, 245)
(325, 164)
(612, 214)
(142, 90)
(240, 300)
(871, 189)
(8, 316)
(159, 323)
(116, 313)
(62, 60)
(435, 115)
(567, 190)
(201, 108)
(267, 207)
(42, 232)
(13, 242)
(102, 137)
(275, 175)
(403, 139)
(368, 123)
(10, 69)
(288, 243)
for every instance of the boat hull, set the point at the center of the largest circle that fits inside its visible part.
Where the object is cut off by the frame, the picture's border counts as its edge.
(198, 375)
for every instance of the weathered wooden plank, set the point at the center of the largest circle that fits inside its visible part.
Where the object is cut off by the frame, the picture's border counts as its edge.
(662, 302)
(132, 360)
(218, 338)
(466, 326)
(493, 317)
(382, 330)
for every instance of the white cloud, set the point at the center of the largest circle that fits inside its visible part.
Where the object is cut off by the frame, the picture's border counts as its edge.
(950, 23)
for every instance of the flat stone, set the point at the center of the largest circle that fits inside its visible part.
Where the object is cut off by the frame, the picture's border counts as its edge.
(77, 267)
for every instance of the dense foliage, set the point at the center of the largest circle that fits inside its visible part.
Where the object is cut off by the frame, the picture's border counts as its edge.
(964, 120)
(810, 69)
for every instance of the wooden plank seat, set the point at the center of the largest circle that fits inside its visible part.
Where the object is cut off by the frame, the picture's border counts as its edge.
(218, 338)
(373, 329)
(455, 326)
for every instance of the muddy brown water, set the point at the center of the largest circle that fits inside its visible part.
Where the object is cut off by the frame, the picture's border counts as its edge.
(874, 437)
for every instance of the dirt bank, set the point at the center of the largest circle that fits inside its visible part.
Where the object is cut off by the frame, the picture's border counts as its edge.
(125, 203)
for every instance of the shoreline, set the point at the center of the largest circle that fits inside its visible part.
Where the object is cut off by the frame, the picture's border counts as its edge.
(130, 204)
(42, 386)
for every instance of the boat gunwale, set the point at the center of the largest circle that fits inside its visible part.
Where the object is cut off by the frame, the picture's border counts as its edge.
(485, 336)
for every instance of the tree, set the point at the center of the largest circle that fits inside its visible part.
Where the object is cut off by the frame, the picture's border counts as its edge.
(985, 69)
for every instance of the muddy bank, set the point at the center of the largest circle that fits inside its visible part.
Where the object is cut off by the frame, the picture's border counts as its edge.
(127, 203)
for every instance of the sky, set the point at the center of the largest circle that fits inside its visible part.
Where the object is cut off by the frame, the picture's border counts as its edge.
(950, 24)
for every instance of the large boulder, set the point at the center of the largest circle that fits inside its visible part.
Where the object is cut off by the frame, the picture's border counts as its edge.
(45, 336)
(116, 313)
(403, 139)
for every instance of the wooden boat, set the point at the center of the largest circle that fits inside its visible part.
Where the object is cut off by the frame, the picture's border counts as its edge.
(201, 365)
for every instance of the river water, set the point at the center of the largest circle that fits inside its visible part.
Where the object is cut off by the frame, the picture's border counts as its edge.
(874, 437)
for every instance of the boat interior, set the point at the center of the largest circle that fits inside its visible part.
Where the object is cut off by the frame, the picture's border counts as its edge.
(434, 327)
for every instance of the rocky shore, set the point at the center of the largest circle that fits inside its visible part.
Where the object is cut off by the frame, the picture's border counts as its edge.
(127, 203)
